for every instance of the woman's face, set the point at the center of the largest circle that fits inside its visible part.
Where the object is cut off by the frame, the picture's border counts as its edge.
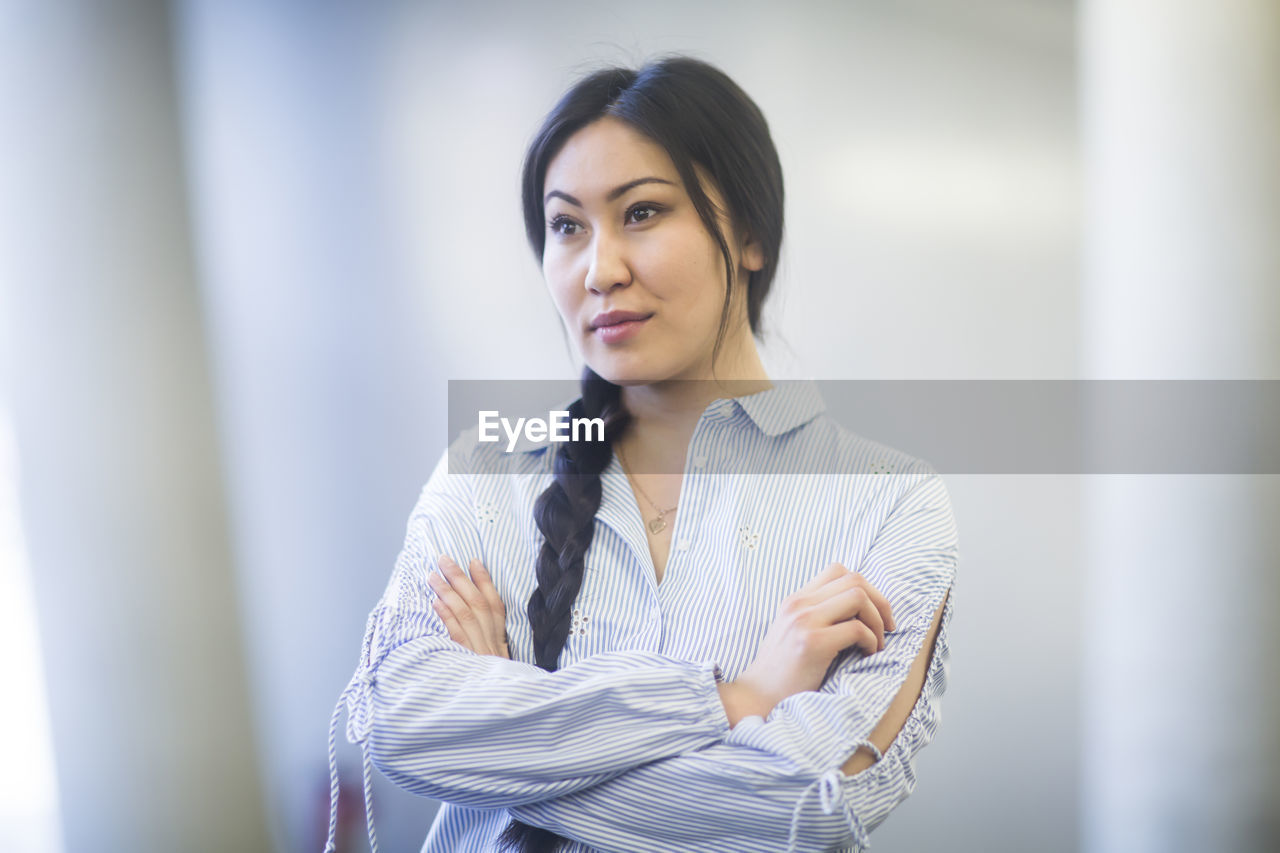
(636, 277)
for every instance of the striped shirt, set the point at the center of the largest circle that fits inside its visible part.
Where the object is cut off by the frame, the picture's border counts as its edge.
(627, 746)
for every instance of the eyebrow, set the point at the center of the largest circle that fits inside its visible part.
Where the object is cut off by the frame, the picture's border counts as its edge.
(614, 194)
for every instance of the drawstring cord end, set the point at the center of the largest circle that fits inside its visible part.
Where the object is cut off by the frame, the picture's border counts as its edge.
(330, 845)
(357, 697)
(830, 798)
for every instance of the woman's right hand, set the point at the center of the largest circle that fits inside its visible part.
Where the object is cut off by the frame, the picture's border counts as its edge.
(838, 609)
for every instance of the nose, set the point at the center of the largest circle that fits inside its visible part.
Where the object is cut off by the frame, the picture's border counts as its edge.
(609, 267)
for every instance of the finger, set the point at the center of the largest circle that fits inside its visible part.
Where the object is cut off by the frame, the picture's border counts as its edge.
(882, 603)
(853, 580)
(462, 583)
(870, 615)
(840, 584)
(480, 575)
(853, 604)
(497, 614)
(853, 634)
(457, 631)
(462, 612)
(466, 588)
(450, 621)
(830, 573)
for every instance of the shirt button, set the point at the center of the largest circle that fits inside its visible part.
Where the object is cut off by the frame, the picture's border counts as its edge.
(682, 545)
(699, 461)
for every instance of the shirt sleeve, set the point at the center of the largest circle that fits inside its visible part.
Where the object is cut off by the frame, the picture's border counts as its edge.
(485, 732)
(777, 784)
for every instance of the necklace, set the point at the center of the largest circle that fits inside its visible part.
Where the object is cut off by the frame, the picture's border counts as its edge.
(657, 524)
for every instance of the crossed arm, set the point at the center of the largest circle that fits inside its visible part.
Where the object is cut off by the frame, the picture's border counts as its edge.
(475, 617)
(486, 732)
(746, 798)
(751, 791)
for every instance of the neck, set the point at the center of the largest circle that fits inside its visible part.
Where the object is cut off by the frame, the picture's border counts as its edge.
(664, 414)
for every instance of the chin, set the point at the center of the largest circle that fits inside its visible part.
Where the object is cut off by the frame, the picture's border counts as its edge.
(626, 374)
(624, 378)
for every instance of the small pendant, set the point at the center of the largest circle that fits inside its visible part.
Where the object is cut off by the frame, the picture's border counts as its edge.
(658, 525)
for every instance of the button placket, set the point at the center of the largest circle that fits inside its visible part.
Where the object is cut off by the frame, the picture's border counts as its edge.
(694, 488)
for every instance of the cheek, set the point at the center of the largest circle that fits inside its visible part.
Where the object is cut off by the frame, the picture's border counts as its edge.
(700, 273)
(687, 266)
(559, 284)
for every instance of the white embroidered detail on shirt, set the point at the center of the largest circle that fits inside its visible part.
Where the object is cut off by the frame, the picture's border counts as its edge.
(747, 538)
(578, 625)
(487, 511)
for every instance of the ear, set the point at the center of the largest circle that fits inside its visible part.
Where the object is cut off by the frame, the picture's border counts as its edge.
(752, 255)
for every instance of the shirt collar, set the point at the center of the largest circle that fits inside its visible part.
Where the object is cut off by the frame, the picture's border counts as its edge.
(789, 404)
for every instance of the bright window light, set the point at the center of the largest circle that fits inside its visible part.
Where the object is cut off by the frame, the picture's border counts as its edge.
(28, 788)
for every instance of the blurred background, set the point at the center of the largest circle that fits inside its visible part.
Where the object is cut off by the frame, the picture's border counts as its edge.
(244, 245)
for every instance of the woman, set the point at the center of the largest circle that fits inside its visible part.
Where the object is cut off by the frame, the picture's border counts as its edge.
(691, 664)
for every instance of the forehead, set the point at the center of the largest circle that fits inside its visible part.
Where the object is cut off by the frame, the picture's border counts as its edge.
(604, 154)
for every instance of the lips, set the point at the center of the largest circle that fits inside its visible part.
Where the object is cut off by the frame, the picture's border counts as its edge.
(613, 318)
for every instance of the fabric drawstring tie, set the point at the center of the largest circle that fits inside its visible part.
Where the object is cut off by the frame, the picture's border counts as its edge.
(830, 789)
(357, 697)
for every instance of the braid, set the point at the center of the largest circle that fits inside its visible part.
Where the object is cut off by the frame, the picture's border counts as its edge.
(565, 514)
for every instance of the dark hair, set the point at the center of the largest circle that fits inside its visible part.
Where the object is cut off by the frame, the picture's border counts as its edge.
(698, 116)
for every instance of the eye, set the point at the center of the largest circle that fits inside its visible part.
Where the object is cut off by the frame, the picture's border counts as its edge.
(643, 212)
(562, 225)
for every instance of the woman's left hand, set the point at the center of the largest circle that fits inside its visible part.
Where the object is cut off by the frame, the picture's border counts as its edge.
(470, 607)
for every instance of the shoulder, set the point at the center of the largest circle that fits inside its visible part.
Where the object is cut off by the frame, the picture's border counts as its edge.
(832, 448)
(879, 481)
(510, 439)
(470, 454)
(470, 469)
(902, 513)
